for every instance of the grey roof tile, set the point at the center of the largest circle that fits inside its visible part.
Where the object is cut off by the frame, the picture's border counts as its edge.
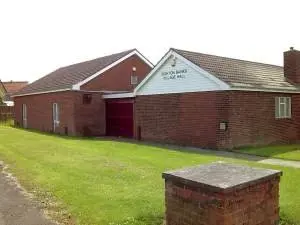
(240, 73)
(66, 77)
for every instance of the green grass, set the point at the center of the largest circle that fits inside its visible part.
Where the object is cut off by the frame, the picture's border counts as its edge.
(290, 152)
(108, 182)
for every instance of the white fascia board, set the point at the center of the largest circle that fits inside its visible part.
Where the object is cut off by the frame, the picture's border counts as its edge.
(135, 52)
(265, 90)
(222, 84)
(157, 66)
(42, 92)
(123, 95)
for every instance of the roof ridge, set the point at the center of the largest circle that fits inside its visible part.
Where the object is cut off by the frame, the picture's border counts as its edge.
(224, 57)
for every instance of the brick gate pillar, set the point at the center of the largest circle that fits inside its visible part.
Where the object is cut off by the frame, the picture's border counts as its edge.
(222, 194)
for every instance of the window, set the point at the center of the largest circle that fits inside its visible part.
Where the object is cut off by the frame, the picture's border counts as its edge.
(24, 115)
(283, 107)
(55, 112)
(87, 99)
(134, 79)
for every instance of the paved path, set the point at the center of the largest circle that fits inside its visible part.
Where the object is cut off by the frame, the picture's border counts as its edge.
(281, 162)
(15, 208)
(259, 159)
(237, 155)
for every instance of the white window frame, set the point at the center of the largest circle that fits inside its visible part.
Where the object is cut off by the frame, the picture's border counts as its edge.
(55, 116)
(283, 107)
(24, 115)
(134, 79)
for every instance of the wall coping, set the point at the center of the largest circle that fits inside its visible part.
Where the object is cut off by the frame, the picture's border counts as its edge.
(221, 176)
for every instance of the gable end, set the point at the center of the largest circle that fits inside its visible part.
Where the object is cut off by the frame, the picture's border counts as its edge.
(176, 74)
(135, 52)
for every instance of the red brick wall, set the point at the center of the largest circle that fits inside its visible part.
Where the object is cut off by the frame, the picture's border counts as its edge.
(90, 118)
(292, 66)
(187, 119)
(39, 111)
(118, 77)
(252, 205)
(73, 114)
(193, 119)
(251, 120)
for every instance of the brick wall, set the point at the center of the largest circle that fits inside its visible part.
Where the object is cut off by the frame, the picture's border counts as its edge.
(253, 205)
(89, 118)
(118, 77)
(74, 116)
(292, 66)
(187, 119)
(39, 111)
(193, 119)
(251, 120)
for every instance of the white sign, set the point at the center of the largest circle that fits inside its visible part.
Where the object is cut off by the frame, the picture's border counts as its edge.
(174, 74)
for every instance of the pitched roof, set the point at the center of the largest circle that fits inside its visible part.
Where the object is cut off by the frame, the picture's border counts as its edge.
(240, 73)
(66, 77)
(14, 86)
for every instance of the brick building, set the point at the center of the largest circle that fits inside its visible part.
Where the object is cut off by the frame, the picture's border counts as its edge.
(188, 98)
(69, 100)
(210, 101)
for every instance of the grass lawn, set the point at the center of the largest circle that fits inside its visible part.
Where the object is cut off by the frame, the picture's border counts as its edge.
(108, 182)
(290, 152)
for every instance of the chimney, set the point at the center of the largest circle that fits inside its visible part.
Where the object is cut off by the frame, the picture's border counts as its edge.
(292, 65)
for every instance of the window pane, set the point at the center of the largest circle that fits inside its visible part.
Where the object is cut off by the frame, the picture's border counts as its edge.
(282, 110)
(134, 79)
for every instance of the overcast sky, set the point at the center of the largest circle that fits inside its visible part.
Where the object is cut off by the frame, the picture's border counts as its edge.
(39, 36)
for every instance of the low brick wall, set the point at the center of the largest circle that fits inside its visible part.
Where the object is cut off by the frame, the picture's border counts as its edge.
(193, 201)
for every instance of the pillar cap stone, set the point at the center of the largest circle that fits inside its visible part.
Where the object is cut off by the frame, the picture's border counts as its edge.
(221, 176)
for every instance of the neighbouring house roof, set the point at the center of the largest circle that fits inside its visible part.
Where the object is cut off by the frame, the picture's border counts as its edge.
(241, 74)
(71, 77)
(12, 87)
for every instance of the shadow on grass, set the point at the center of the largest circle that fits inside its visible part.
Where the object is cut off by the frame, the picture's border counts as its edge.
(171, 147)
(288, 151)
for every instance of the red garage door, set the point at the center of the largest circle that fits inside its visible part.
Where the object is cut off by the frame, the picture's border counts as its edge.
(119, 118)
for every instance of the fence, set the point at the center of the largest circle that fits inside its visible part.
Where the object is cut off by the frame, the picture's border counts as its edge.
(6, 114)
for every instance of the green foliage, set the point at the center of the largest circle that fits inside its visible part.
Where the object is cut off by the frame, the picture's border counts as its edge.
(107, 182)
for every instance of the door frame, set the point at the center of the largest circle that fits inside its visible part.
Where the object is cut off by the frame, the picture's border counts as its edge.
(24, 115)
(55, 116)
